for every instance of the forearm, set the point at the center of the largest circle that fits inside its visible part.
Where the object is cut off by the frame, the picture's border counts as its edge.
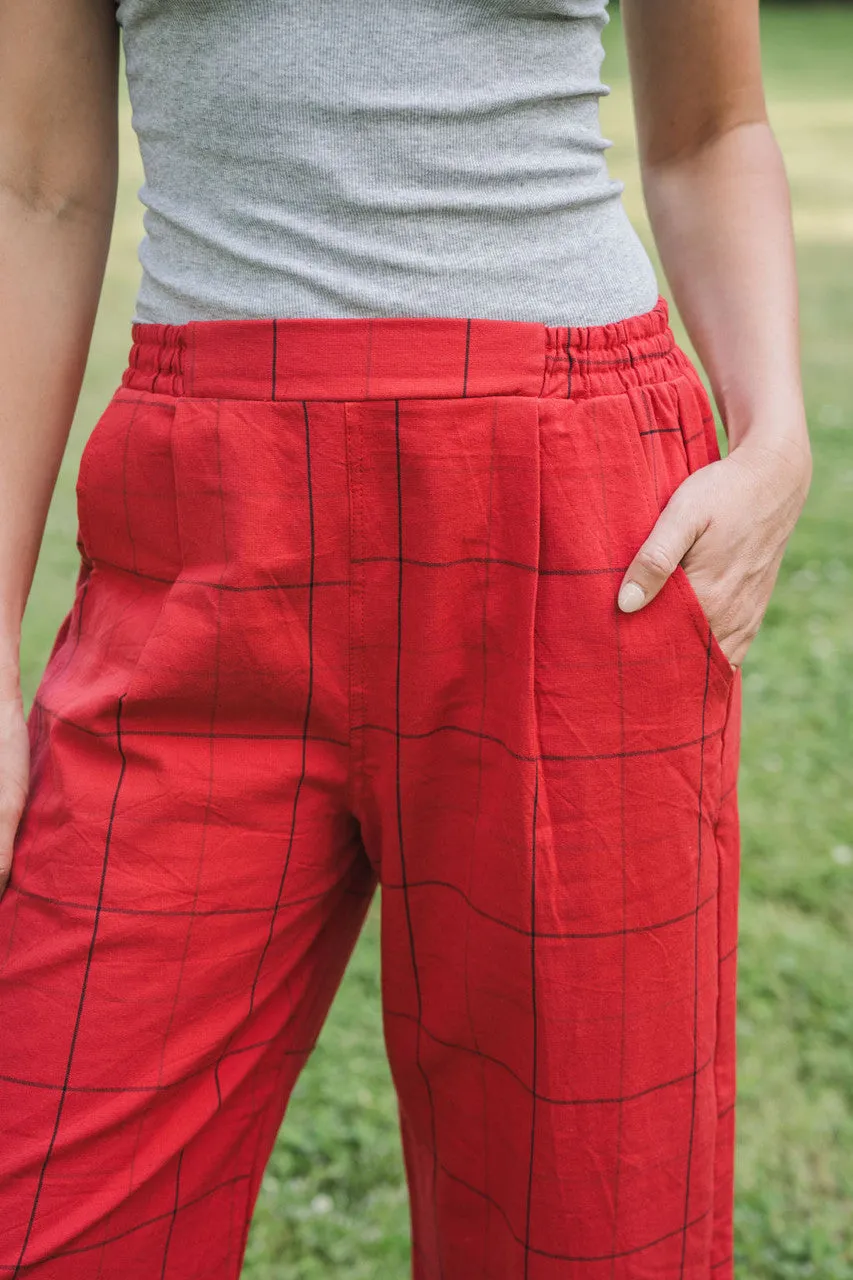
(52, 258)
(721, 216)
(722, 222)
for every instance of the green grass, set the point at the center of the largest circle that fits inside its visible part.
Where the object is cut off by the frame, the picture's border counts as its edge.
(333, 1203)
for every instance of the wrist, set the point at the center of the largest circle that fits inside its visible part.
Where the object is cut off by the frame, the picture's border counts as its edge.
(10, 665)
(782, 464)
(781, 430)
(780, 414)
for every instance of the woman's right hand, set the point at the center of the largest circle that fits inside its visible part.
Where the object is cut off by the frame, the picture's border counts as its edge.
(14, 774)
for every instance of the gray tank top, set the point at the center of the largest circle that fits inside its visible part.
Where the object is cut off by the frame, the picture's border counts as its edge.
(377, 158)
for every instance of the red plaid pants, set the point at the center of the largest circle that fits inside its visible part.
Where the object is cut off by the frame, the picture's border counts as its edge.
(346, 616)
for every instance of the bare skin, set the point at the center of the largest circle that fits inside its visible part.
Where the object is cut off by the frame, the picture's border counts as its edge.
(719, 205)
(58, 171)
(718, 200)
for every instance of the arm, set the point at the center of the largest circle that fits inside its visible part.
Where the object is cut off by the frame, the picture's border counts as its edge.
(718, 201)
(58, 175)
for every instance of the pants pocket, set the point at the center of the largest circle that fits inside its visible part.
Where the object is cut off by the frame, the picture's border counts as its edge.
(675, 437)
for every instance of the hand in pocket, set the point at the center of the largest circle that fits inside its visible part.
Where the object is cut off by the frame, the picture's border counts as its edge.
(727, 524)
(14, 776)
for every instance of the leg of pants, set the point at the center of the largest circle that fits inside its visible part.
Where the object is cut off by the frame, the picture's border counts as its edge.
(346, 615)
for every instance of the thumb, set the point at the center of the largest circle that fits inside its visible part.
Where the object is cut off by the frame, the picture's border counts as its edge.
(676, 530)
(14, 779)
(10, 816)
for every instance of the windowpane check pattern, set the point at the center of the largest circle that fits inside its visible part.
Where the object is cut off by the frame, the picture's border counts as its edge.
(346, 618)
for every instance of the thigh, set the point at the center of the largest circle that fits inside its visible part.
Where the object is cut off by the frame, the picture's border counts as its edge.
(557, 951)
(187, 883)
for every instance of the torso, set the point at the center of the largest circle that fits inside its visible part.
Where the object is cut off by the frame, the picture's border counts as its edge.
(384, 157)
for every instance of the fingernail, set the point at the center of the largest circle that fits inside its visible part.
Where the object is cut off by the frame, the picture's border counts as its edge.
(631, 597)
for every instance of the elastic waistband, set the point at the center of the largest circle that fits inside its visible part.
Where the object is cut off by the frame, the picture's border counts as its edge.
(401, 358)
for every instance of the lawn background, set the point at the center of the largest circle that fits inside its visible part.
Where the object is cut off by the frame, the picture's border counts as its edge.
(333, 1203)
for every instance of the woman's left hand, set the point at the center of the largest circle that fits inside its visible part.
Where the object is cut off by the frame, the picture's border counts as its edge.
(727, 524)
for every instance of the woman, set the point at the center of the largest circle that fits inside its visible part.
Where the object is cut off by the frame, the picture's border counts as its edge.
(407, 557)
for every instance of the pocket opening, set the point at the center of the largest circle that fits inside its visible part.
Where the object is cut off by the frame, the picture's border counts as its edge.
(693, 460)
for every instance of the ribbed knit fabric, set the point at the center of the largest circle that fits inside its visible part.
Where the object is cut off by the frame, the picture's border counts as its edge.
(378, 158)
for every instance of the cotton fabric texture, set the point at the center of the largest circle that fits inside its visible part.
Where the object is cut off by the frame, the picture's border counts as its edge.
(346, 616)
(390, 158)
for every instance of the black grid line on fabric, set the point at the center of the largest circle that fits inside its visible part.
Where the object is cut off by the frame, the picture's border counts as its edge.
(554, 571)
(398, 739)
(274, 357)
(478, 801)
(705, 420)
(569, 363)
(534, 1065)
(623, 981)
(544, 755)
(89, 958)
(548, 1099)
(158, 373)
(403, 1015)
(381, 728)
(544, 934)
(623, 1018)
(232, 1269)
(568, 1257)
(660, 431)
(301, 1052)
(257, 1154)
(376, 559)
(722, 1262)
(139, 1226)
(102, 1254)
(222, 735)
(214, 704)
(304, 736)
(229, 1238)
(721, 1115)
(650, 431)
(467, 358)
(182, 579)
(589, 362)
(173, 1215)
(699, 828)
(509, 564)
(389, 886)
(728, 954)
(72, 905)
